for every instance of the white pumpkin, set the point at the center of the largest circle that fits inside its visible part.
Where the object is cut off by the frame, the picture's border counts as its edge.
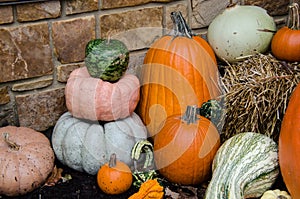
(85, 145)
(276, 194)
(241, 31)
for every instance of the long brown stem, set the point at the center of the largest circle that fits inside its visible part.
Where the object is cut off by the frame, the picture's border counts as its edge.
(293, 17)
(113, 160)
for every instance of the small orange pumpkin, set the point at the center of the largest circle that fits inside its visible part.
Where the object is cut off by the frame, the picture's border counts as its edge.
(286, 41)
(289, 145)
(185, 147)
(179, 69)
(94, 99)
(114, 177)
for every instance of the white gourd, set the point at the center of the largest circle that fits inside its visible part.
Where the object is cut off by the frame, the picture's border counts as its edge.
(85, 145)
(240, 31)
(276, 194)
(245, 166)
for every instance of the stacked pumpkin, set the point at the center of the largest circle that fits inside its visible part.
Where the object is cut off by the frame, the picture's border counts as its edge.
(100, 121)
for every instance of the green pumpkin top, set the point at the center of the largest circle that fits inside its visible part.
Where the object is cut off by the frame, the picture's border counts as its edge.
(106, 59)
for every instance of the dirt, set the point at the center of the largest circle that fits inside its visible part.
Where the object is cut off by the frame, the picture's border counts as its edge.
(85, 186)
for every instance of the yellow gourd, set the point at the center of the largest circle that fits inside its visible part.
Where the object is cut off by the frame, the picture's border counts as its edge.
(149, 189)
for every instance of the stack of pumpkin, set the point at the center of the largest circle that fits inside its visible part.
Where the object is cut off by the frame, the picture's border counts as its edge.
(100, 125)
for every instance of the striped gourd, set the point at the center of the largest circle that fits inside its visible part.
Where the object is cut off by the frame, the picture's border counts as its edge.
(245, 166)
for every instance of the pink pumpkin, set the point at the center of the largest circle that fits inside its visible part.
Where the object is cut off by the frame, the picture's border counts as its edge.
(94, 99)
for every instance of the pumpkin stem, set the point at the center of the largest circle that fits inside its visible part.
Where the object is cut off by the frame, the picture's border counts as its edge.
(293, 17)
(113, 160)
(190, 115)
(11, 144)
(180, 27)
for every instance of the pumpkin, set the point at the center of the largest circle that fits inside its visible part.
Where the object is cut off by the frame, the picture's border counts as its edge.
(114, 177)
(86, 145)
(240, 31)
(93, 99)
(106, 59)
(185, 147)
(149, 189)
(179, 70)
(289, 145)
(245, 166)
(26, 160)
(286, 41)
(276, 194)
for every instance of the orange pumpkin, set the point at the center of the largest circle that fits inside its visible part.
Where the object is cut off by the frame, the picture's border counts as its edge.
(286, 41)
(26, 160)
(114, 177)
(95, 99)
(185, 147)
(178, 70)
(289, 145)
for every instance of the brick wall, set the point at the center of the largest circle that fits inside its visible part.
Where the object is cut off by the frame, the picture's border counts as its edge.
(41, 43)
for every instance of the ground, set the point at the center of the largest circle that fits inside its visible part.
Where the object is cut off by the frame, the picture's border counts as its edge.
(85, 186)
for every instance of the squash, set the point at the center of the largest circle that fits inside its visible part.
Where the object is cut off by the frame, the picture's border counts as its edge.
(149, 189)
(276, 194)
(245, 166)
(179, 69)
(85, 145)
(241, 31)
(26, 160)
(286, 41)
(185, 147)
(106, 59)
(289, 145)
(114, 177)
(93, 99)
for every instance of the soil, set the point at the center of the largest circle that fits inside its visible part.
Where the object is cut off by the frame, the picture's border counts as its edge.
(85, 186)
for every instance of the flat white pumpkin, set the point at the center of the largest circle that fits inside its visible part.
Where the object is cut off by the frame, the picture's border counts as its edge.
(85, 145)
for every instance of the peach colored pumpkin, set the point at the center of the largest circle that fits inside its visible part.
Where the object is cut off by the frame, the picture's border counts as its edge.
(94, 99)
(26, 160)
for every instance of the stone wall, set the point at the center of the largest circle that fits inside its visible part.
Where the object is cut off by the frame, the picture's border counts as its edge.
(41, 43)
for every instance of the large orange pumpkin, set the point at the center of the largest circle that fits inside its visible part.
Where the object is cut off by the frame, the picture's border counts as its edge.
(289, 145)
(286, 42)
(26, 160)
(94, 99)
(179, 70)
(185, 147)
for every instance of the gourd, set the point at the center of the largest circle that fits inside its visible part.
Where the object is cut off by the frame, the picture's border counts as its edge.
(26, 160)
(286, 41)
(149, 189)
(85, 145)
(93, 99)
(240, 31)
(185, 147)
(106, 59)
(114, 177)
(276, 194)
(289, 145)
(179, 69)
(245, 166)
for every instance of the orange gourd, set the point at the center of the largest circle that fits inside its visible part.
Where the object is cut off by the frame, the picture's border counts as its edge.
(286, 41)
(149, 189)
(26, 160)
(185, 147)
(94, 99)
(114, 177)
(179, 70)
(289, 145)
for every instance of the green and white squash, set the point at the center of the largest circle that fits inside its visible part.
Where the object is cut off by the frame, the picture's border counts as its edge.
(245, 166)
(84, 145)
(106, 59)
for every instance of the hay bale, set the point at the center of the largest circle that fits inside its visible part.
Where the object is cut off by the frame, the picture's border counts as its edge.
(257, 92)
